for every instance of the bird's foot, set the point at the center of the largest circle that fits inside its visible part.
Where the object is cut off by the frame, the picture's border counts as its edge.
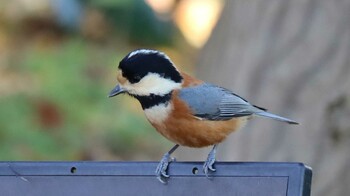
(162, 167)
(161, 171)
(209, 166)
(209, 163)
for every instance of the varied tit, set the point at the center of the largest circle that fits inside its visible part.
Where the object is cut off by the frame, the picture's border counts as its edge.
(184, 109)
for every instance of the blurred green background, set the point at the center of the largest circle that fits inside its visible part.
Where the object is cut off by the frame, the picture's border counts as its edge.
(58, 61)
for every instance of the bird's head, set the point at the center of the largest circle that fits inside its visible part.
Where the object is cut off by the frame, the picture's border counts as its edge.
(146, 72)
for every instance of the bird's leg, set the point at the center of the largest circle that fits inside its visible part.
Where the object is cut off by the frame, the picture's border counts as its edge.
(163, 165)
(209, 163)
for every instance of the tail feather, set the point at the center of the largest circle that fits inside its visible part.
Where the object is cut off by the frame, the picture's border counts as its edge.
(276, 117)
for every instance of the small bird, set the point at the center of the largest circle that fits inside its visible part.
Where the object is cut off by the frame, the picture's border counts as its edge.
(184, 109)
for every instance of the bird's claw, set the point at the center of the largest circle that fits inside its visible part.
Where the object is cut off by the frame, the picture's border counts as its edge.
(209, 166)
(162, 168)
(209, 163)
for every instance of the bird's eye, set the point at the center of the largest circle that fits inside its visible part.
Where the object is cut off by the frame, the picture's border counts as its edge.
(136, 78)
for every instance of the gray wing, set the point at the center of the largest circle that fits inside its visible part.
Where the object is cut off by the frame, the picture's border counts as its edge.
(215, 103)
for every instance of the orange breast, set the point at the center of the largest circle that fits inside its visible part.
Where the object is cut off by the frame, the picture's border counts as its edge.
(183, 128)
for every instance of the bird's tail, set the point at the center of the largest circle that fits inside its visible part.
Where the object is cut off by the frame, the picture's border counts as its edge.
(276, 117)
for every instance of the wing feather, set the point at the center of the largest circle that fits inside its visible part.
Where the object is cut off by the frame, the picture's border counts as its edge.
(211, 102)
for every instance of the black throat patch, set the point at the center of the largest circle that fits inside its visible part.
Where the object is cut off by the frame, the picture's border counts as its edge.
(153, 100)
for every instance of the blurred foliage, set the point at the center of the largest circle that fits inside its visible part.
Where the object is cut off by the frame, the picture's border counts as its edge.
(54, 84)
(136, 21)
(65, 112)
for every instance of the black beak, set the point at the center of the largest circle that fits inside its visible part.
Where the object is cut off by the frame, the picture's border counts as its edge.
(116, 91)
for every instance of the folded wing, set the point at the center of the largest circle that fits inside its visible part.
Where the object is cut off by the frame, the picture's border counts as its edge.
(211, 102)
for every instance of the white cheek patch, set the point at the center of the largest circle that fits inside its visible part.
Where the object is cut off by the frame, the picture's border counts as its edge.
(159, 113)
(152, 83)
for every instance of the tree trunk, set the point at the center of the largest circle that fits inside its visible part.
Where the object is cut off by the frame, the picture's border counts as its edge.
(292, 57)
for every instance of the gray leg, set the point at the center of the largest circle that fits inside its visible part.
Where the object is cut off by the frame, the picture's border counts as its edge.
(209, 163)
(163, 165)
